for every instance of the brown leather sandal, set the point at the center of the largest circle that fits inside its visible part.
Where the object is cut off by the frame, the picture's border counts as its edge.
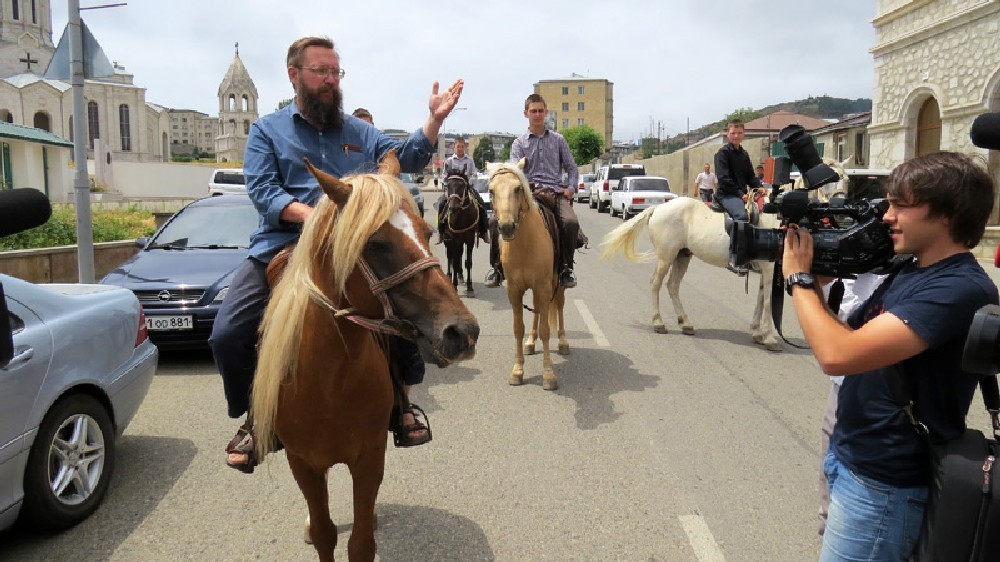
(402, 434)
(243, 444)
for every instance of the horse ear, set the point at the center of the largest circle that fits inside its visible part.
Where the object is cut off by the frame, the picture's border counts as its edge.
(521, 163)
(389, 164)
(335, 189)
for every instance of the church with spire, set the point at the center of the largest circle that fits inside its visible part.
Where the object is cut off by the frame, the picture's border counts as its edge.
(120, 122)
(237, 110)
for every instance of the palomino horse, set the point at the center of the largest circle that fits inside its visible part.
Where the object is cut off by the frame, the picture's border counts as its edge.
(462, 217)
(527, 257)
(322, 385)
(678, 229)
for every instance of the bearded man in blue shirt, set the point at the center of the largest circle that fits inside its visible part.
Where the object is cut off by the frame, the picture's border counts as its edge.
(313, 125)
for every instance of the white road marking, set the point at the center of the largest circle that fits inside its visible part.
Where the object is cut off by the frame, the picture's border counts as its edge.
(701, 539)
(588, 319)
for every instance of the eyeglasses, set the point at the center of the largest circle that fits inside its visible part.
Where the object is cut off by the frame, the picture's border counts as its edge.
(325, 72)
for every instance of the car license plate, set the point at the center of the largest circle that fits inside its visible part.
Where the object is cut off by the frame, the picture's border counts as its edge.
(163, 323)
(654, 200)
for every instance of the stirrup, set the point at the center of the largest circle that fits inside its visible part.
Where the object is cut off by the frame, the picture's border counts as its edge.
(401, 432)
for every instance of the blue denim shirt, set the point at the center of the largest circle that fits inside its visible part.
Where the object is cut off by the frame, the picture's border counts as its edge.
(276, 175)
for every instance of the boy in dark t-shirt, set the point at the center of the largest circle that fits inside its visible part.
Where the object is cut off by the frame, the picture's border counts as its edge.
(877, 464)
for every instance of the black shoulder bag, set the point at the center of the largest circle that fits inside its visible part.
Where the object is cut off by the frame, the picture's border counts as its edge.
(962, 520)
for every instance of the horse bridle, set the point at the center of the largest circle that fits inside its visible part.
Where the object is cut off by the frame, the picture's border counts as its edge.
(464, 201)
(521, 193)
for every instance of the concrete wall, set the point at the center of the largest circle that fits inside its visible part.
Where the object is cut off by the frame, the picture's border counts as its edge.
(60, 265)
(159, 179)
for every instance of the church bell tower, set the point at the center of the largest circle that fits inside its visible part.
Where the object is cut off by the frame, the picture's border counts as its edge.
(237, 110)
(25, 37)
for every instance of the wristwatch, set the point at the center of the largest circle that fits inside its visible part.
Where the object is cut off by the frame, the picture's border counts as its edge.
(801, 279)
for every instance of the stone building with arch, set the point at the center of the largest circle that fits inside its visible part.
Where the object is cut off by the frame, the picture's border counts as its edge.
(237, 110)
(131, 130)
(937, 67)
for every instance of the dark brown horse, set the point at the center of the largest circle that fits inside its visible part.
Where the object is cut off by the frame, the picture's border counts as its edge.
(322, 386)
(461, 215)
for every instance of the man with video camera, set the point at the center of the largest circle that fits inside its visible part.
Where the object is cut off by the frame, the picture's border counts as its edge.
(914, 325)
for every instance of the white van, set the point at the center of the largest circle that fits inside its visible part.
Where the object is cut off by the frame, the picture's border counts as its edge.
(607, 179)
(227, 180)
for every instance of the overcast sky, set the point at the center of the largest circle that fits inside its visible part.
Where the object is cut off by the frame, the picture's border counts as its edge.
(670, 60)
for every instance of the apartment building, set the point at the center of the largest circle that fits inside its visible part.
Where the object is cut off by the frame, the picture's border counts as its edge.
(579, 100)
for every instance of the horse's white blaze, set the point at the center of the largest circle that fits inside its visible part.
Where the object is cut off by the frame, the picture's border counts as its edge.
(402, 221)
(701, 539)
(588, 319)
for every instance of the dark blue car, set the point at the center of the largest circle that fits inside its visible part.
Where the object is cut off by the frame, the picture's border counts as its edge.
(182, 274)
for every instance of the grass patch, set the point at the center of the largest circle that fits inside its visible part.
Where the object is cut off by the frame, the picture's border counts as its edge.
(60, 230)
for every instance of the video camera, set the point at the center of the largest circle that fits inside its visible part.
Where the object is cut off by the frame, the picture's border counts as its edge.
(848, 237)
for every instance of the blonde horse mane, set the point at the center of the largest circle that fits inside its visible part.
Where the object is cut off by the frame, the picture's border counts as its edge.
(331, 235)
(499, 168)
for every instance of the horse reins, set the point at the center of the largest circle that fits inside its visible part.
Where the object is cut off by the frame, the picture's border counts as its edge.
(464, 202)
(520, 204)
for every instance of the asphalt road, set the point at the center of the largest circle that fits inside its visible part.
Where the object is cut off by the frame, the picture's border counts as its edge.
(654, 448)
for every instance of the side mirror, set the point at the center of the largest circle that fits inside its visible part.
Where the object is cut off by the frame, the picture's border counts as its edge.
(141, 243)
(6, 335)
(420, 179)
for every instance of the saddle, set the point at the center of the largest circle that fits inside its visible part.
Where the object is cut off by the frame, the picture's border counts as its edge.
(278, 264)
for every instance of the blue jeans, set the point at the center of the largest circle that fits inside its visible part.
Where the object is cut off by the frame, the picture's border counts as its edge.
(869, 520)
(735, 207)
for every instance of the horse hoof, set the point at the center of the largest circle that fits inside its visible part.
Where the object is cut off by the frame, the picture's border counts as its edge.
(470, 294)
(660, 329)
(564, 349)
(529, 349)
(550, 384)
(687, 330)
(774, 347)
(515, 380)
(759, 339)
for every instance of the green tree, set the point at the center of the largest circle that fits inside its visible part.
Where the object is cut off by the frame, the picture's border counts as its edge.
(284, 102)
(649, 147)
(585, 143)
(483, 153)
(505, 154)
(744, 113)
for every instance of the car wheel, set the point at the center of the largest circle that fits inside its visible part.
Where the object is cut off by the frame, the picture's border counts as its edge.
(625, 215)
(70, 464)
(592, 204)
(614, 213)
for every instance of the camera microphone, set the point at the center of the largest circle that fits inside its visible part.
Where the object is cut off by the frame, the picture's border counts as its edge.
(21, 209)
(985, 132)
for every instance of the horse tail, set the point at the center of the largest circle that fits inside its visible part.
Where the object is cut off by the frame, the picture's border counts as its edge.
(622, 238)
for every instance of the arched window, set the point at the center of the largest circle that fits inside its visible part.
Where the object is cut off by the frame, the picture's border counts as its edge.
(42, 121)
(16, 5)
(232, 102)
(93, 123)
(6, 116)
(246, 126)
(246, 103)
(929, 128)
(123, 128)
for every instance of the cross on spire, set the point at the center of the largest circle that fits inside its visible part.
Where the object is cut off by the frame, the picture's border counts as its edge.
(237, 48)
(28, 60)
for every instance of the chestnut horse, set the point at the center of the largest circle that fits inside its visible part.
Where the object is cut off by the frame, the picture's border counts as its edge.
(322, 386)
(462, 217)
(527, 256)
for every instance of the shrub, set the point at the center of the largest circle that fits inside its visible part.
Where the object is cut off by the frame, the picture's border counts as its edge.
(60, 230)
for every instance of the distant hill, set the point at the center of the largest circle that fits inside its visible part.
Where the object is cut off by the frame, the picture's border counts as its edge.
(822, 107)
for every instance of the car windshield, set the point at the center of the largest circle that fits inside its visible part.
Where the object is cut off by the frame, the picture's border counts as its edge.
(482, 185)
(209, 226)
(230, 178)
(649, 184)
(587, 177)
(619, 173)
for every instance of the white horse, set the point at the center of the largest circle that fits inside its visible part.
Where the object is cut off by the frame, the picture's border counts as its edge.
(679, 229)
(685, 227)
